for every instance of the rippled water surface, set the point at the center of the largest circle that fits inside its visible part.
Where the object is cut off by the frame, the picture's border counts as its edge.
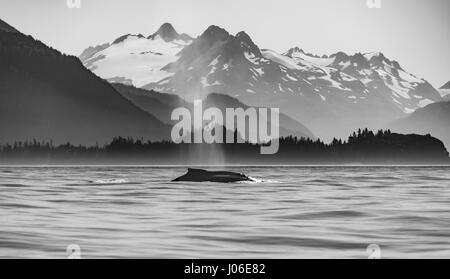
(293, 212)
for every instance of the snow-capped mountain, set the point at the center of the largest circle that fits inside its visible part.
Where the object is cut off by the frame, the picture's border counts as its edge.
(135, 59)
(353, 76)
(388, 78)
(332, 95)
(361, 75)
(220, 62)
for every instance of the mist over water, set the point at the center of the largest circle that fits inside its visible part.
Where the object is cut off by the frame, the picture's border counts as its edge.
(293, 212)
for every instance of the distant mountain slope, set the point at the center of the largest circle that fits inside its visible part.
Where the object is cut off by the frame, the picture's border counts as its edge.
(288, 126)
(445, 91)
(446, 86)
(161, 105)
(5, 27)
(135, 59)
(49, 96)
(433, 119)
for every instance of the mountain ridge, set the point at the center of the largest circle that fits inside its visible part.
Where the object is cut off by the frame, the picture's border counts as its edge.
(446, 86)
(133, 59)
(333, 95)
(432, 119)
(325, 93)
(161, 105)
(5, 27)
(168, 34)
(46, 95)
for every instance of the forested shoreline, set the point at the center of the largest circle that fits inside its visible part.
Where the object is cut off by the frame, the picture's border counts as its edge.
(364, 146)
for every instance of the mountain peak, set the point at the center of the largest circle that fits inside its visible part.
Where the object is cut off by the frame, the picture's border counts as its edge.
(243, 36)
(294, 52)
(215, 33)
(360, 58)
(340, 55)
(168, 33)
(374, 55)
(7, 28)
(379, 58)
(247, 43)
(166, 27)
(124, 37)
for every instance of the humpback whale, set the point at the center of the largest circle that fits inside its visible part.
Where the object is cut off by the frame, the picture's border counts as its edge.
(199, 175)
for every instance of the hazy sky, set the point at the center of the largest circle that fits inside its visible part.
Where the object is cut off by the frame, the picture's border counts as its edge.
(414, 32)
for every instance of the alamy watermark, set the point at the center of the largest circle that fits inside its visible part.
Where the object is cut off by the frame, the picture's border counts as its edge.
(373, 4)
(73, 4)
(234, 123)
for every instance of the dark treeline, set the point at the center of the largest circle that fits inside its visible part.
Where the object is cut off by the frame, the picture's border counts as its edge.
(363, 146)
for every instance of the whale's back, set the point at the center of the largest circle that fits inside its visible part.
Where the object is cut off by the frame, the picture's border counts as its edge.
(200, 175)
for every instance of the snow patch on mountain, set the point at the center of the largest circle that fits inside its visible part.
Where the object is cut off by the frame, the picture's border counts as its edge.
(300, 56)
(135, 58)
(445, 93)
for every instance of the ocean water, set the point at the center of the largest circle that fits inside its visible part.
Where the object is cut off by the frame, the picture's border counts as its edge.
(291, 212)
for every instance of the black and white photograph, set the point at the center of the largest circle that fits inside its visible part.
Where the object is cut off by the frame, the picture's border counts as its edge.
(213, 129)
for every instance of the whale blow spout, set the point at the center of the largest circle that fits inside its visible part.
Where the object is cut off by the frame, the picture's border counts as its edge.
(199, 175)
